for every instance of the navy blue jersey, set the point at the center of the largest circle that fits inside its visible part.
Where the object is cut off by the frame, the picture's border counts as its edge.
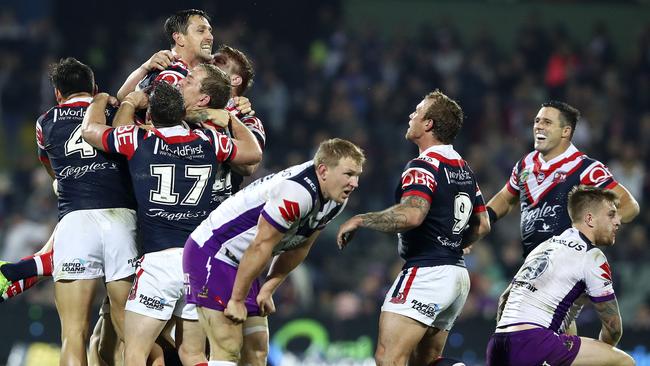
(543, 189)
(228, 182)
(174, 73)
(87, 178)
(172, 170)
(443, 178)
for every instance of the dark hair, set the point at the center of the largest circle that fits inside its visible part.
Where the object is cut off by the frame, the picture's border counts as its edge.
(569, 115)
(583, 198)
(447, 116)
(71, 76)
(179, 22)
(166, 105)
(216, 85)
(244, 67)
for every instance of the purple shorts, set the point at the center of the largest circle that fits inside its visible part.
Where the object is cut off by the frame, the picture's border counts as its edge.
(532, 347)
(212, 288)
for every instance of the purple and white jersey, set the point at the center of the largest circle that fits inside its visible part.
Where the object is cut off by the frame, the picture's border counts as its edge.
(290, 200)
(552, 278)
(543, 188)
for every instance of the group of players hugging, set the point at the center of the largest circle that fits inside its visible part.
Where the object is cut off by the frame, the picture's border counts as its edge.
(150, 199)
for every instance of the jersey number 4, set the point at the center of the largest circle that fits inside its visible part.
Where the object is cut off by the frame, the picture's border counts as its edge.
(462, 211)
(166, 173)
(76, 144)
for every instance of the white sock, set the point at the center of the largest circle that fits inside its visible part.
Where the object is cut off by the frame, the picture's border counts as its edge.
(221, 363)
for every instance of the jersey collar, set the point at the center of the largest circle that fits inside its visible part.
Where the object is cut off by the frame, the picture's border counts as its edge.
(567, 153)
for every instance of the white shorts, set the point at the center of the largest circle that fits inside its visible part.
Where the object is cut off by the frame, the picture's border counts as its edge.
(95, 243)
(433, 296)
(158, 291)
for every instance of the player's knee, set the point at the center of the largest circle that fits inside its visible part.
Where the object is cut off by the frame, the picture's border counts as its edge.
(191, 354)
(626, 360)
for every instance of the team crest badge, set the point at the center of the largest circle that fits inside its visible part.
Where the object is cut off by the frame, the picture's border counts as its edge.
(540, 177)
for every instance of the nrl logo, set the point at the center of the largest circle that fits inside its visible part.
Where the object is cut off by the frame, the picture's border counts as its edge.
(524, 175)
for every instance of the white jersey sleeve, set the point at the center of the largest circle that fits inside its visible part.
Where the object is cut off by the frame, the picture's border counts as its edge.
(288, 202)
(598, 277)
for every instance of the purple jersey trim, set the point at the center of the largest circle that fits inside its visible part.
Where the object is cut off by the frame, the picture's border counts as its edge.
(270, 220)
(597, 299)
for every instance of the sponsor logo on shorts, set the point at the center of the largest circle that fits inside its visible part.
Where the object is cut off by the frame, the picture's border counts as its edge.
(77, 265)
(153, 303)
(399, 299)
(428, 310)
(568, 344)
(134, 262)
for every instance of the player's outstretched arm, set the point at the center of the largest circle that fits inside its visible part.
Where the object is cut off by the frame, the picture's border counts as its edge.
(628, 207)
(250, 267)
(159, 61)
(406, 215)
(94, 122)
(610, 317)
(501, 204)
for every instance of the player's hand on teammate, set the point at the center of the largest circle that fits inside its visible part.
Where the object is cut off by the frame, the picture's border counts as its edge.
(266, 304)
(236, 311)
(346, 231)
(139, 99)
(159, 61)
(244, 106)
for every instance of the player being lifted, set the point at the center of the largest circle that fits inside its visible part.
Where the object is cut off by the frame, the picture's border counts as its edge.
(280, 214)
(554, 275)
(96, 230)
(171, 167)
(440, 211)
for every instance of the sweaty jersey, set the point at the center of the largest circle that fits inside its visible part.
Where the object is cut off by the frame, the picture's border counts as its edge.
(543, 189)
(553, 276)
(87, 178)
(446, 181)
(291, 201)
(171, 170)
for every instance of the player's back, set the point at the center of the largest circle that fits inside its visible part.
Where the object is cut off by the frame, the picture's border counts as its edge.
(172, 170)
(553, 276)
(87, 178)
(289, 200)
(442, 177)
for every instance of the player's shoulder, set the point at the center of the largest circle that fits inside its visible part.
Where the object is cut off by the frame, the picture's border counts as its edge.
(46, 117)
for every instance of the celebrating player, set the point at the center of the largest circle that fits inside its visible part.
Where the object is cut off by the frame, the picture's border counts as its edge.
(440, 211)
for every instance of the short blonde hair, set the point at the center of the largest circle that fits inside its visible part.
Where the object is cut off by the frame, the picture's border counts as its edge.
(331, 151)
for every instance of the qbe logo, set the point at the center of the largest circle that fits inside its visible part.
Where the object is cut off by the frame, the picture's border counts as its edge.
(77, 265)
(153, 302)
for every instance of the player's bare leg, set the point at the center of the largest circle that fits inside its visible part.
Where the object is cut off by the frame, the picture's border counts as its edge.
(398, 337)
(190, 342)
(73, 302)
(255, 350)
(596, 353)
(118, 291)
(140, 333)
(225, 337)
(430, 347)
